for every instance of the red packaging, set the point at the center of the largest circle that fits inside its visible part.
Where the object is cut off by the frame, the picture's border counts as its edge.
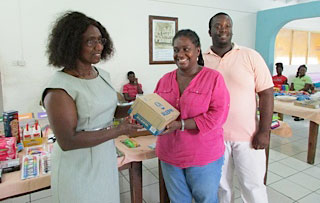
(7, 148)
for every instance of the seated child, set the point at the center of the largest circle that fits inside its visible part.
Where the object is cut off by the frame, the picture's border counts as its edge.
(131, 89)
(279, 79)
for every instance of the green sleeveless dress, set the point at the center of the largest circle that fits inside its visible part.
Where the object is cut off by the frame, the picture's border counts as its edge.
(88, 174)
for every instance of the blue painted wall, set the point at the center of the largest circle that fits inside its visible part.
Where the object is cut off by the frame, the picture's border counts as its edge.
(270, 21)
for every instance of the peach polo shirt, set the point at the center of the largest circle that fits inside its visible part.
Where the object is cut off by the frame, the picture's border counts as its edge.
(245, 74)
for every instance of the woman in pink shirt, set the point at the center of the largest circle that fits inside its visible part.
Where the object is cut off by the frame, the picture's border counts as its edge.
(191, 148)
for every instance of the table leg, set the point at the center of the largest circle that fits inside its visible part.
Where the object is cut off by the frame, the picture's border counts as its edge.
(135, 173)
(312, 146)
(164, 198)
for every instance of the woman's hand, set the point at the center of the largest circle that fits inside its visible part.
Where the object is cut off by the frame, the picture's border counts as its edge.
(127, 128)
(174, 125)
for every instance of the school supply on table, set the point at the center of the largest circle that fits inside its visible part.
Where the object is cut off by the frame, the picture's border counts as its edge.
(30, 167)
(46, 164)
(152, 146)
(11, 124)
(275, 124)
(313, 104)
(7, 148)
(130, 143)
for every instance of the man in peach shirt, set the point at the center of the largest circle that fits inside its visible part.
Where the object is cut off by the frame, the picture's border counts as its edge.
(246, 75)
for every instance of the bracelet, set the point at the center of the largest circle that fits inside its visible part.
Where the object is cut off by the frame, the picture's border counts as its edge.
(182, 125)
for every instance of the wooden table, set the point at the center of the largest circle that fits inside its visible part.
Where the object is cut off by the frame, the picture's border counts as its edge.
(12, 185)
(313, 115)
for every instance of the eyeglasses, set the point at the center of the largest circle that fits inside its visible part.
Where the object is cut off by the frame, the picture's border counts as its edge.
(94, 42)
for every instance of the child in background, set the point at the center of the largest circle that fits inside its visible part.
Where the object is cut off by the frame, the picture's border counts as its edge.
(279, 79)
(131, 89)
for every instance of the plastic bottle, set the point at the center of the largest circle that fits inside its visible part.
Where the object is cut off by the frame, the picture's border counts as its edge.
(36, 130)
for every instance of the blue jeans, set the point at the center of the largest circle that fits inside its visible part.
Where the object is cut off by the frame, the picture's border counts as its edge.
(200, 183)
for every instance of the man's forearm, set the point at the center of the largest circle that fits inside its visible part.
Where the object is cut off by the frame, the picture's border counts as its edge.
(266, 109)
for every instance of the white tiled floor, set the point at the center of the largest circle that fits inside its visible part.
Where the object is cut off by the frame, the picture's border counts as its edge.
(290, 178)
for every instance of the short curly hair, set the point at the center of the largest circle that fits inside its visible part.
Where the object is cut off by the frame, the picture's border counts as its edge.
(64, 44)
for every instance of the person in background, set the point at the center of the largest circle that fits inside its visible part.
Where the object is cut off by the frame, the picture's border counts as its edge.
(133, 88)
(81, 104)
(302, 82)
(246, 75)
(191, 148)
(279, 79)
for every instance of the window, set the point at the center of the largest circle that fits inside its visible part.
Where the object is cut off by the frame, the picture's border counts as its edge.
(294, 47)
(314, 51)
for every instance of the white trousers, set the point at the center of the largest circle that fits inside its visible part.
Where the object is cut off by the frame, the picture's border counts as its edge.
(250, 166)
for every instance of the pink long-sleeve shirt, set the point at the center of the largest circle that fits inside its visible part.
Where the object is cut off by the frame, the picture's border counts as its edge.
(206, 100)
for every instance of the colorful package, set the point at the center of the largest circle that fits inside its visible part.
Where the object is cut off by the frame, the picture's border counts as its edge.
(30, 167)
(11, 124)
(7, 148)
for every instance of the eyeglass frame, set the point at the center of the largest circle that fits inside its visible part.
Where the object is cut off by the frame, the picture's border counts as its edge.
(93, 42)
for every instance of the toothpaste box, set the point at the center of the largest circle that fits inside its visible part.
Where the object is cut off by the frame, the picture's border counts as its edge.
(153, 112)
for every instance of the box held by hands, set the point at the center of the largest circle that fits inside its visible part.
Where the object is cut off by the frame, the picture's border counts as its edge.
(153, 112)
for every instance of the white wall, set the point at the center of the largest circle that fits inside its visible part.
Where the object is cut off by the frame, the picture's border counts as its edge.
(25, 26)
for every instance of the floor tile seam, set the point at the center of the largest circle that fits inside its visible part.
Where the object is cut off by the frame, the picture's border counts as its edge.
(290, 144)
(127, 177)
(142, 177)
(40, 198)
(305, 187)
(151, 184)
(282, 178)
(157, 183)
(153, 174)
(285, 176)
(292, 175)
(144, 201)
(318, 178)
(301, 138)
(124, 191)
(151, 168)
(290, 154)
(304, 196)
(283, 194)
(280, 159)
(311, 191)
(295, 168)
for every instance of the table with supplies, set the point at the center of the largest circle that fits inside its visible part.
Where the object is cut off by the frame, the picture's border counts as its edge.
(288, 108)
(12, 185)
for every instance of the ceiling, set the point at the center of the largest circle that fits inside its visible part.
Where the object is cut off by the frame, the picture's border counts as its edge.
(294, 1)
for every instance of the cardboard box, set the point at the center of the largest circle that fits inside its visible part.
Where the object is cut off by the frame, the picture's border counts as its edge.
(153, 112)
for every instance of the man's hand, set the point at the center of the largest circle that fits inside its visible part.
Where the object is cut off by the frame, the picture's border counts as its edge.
(261, 140)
